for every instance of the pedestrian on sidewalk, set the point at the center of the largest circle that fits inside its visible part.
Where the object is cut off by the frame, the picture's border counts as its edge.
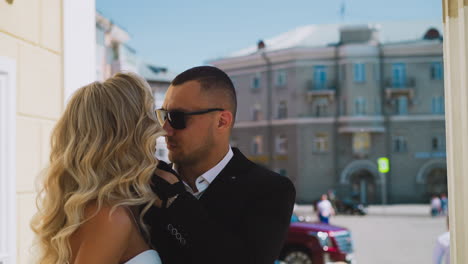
(444, 204)
(436, 205)
(325, 209)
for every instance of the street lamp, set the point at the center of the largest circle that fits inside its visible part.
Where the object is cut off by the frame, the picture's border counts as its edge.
(261, 48)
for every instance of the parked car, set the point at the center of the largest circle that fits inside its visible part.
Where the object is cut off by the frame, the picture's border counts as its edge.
(316, 243)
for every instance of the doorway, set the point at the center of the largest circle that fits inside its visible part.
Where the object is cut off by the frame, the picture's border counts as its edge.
(363, 187)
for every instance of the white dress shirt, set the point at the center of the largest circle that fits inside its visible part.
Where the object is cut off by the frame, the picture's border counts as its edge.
(203, 181)
(325, 208)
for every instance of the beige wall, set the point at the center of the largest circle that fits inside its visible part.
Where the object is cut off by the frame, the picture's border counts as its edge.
(31, 34)
(456, 109)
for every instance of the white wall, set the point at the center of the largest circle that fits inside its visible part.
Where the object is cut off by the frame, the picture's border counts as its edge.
(79, 44)
(7, 160)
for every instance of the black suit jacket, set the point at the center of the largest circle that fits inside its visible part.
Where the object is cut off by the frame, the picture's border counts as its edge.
(242, 217)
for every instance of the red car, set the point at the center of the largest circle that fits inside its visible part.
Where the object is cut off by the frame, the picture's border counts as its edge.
(317, 243)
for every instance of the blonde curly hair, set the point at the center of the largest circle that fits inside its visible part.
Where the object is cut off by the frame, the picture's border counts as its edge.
(102, 151)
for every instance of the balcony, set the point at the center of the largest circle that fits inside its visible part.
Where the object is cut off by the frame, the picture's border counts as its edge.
(361, 124)
(395, 88)
(315, 90)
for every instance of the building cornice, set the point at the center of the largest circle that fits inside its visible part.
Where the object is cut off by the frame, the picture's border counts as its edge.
(348, 52)
(342, 119)
(283, 122)
(417, 118)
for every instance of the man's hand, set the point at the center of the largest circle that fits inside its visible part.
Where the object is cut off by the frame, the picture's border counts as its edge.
(165, 184)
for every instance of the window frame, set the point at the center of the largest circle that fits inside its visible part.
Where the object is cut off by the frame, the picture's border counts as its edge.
(257, 141)
(402, 143)
(320, 77)
(360, 104)
(321, 143)
(402, 105)
(282, 110)
(281, 78)
(436, 71)
(399, 75)
(359, 72)
(256, 82)
(281, 144)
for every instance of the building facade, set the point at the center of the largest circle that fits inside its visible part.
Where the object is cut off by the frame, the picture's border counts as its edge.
(323, 109)
(113, 55)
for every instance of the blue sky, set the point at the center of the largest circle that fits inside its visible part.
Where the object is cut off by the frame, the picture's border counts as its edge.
(181, 34)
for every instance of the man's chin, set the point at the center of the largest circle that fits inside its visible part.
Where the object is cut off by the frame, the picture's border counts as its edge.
(173, 157)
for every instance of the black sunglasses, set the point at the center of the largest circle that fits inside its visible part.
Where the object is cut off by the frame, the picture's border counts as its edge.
(177, 118)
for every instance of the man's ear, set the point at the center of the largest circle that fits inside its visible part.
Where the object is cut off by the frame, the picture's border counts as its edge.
(225, 120)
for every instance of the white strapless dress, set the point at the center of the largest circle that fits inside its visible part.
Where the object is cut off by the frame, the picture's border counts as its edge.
(146, 257)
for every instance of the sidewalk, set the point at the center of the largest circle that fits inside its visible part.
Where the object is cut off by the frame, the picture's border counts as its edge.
(417, 210)
(400, 210)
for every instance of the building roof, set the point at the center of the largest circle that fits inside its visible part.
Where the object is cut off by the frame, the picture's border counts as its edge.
(154, 73)
(324, 35)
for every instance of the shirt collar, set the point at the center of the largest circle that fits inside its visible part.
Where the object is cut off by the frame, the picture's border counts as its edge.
(203, 181)
(211, 174)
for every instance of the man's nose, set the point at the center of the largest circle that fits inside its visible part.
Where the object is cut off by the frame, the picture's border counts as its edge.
(168, 128)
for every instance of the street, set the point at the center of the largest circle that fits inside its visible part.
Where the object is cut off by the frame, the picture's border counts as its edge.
(396, 234)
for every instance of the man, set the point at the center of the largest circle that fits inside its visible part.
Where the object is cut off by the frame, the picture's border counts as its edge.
(229, 209)
(325, 209)
(435, 205)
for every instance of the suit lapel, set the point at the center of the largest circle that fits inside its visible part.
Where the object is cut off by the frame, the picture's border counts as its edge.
(228, 176)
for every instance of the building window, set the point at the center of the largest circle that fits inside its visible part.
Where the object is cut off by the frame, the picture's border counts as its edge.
(360, 106)
(361, 143)
(282, 110)
(255, 85)
(321, 107)
(438, 105)
(257, 113)
(281, 144)
(402, 105)
(281, 78)
(437, 71)
(399, 144)
(320, 77)
(399, 75)
(321, 142)
(257, 145)
(359, 72)
(438, 143)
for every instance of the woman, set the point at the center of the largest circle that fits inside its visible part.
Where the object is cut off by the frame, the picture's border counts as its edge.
(101, 163)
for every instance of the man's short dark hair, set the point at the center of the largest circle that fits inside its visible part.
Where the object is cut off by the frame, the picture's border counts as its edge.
(211, 79)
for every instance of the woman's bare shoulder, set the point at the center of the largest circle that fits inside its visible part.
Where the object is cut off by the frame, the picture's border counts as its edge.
(104, 237)
(107, 216)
